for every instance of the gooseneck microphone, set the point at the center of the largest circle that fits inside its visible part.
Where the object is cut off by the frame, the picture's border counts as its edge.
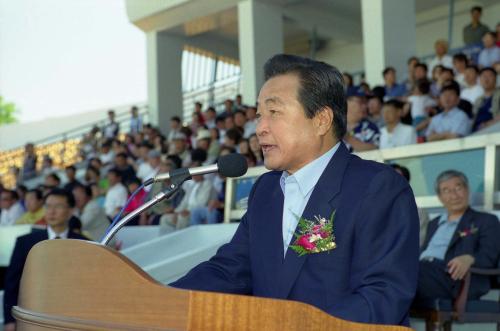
(231, 165)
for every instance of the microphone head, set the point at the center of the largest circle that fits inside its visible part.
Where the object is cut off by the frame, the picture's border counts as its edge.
(232, 165)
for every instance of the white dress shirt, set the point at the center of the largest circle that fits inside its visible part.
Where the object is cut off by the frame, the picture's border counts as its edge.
(401, 135)
(115, 198)
(53, 235)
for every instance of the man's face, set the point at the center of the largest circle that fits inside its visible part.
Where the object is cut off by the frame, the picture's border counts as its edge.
(448, 99)
(240, 119)
(470, 76)
(391, 114)
(111, 116)
(6, 200)
(390, 77)
(287, 137)
(250, 112)
(229, 123)
(174, 125)
(120, 161)
(70, 173)
(57, 211)
(113, 178)
(488, 80)
(51, 182)
(475, 15)
(374, 106)
(81, 198)
(454, 195)
(355, 110)
(440, 49)
(420, 73)
(179, 145)
(209, 115)
(488, 41)
(32, 202)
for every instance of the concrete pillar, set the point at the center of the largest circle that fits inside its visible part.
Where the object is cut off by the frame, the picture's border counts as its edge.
(389, 37)
(164, 61)
(260, 28)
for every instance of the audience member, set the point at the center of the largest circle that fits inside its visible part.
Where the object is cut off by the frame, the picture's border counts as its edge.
(451, 122)
(35, 212)
(420, 105)
(135, 120)
(210, 115)
(251, 124)
(441, 58)
(59, 206)
(455, 241)
(362, 135)
(91, 214)
(473, 90)
(11, 208)
(375, 111)
(460, 63)
(122, 164)
(487, 106)
(29, 162)
(111, 128)
(116, 197)
(392, 88)
(395, 133)
(71, 181)
(490, 54)
(473, 32)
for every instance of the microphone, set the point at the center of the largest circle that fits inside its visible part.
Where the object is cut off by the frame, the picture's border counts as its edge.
(231, 165)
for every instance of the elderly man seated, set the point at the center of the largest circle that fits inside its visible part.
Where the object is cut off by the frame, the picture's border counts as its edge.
(457, 240)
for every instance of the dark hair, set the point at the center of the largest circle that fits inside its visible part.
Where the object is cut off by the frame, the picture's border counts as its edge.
(122, 154)
(394, 103)
(176, 160)
(55, 177)
(38, 193)
(116, 172)
(423, 86)
(87, 189)
(412, 58)
(387, 70)
(71, 167)
(13, 194)
(233, 134)
(379, 91)
(210, 109)
(175, 119)
(197, 103)
(199, 155)
(451, 86)
(473, 67)
(422, 65)
(460, 57)
(59, 192)
(351, 80)
(321, 85)
(476, 8)
(133, 180)
(448, 70)
(404, 170)
(490, 69)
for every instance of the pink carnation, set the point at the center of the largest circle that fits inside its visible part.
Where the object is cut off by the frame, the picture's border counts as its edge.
(316, 229)
(304, 242)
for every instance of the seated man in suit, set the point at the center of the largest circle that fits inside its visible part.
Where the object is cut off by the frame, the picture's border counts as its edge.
(362, 266)
(59, 206)
(460, 238)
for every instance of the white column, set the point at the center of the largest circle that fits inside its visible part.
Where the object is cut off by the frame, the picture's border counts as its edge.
(389, 37)
(165, 98)
(260, 28)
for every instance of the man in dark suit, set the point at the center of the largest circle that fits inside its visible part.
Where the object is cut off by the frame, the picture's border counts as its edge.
(59, 206)
(366, 270)
(455, 241)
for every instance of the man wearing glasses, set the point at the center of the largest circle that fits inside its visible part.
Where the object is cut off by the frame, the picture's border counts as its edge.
(457, 240)
(59, 205)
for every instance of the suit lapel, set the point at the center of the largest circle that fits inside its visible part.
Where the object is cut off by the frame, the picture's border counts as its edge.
(322, 203)
(464, 223)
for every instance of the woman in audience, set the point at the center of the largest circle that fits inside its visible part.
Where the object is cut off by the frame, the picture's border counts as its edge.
(255, 148)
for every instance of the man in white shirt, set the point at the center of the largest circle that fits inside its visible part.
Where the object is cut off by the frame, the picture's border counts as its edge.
(11, 208)
(150, 168)
(251, 124)
(93, 218)
(395, 133)
(441, 58)
(452, 122)
(117, 194)
(473, 90)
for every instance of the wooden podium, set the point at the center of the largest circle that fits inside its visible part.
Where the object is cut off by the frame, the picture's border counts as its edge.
(78, 285)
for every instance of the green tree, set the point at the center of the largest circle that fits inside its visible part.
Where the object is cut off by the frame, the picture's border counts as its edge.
(8, 112)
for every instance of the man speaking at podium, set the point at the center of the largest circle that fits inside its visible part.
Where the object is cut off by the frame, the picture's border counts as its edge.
(324, 227)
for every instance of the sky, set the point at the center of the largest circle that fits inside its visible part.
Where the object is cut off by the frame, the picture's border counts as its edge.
(60, 57)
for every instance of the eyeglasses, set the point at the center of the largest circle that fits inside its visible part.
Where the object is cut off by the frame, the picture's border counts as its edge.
(55, 206)
(457, 190)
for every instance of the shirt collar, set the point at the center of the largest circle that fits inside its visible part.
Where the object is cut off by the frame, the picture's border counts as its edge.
(308, 176)
(53, 234)
(444, 219)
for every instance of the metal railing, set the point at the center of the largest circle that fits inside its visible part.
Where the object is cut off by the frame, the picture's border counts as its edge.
(477, 156)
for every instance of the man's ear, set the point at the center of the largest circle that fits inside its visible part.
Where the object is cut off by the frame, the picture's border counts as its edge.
(323, 121)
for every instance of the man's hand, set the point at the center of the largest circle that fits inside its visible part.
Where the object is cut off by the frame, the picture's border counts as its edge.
(459, 266)
(9, 327)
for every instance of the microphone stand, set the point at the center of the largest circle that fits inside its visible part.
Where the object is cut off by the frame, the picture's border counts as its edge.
(176, 183)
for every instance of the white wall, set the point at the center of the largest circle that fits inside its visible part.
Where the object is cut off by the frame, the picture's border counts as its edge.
(431, 25)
